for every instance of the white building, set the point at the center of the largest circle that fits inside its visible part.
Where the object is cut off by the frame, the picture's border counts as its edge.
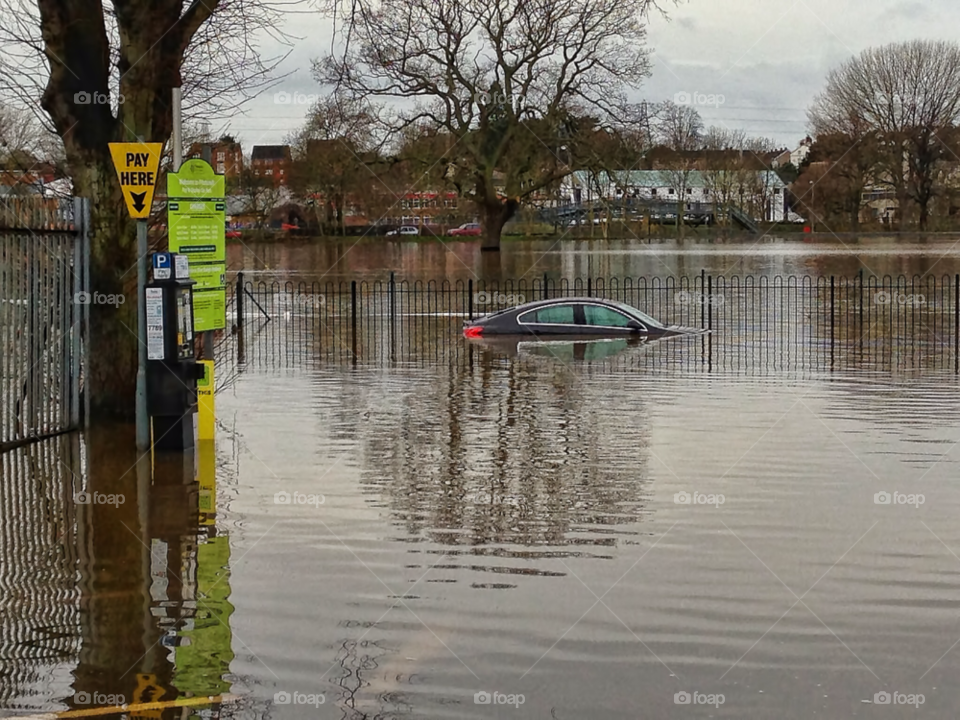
(761, 193)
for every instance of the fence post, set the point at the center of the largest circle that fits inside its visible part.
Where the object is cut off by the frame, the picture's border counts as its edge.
(238, 293)
(545, 295)
(956, 324)
(393, 307)
(833, 289)
(470, 298)
(703, 288)
(353, 316)
(77, 312)
(589, 286)
(709, 323)
(85, 239)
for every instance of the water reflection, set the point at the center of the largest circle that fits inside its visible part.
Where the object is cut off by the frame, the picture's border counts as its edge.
(113, 568)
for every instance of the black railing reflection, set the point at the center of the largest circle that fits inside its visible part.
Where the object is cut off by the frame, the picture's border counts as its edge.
(755, 322)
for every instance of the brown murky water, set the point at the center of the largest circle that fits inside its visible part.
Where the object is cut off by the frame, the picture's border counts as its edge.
(573, 537)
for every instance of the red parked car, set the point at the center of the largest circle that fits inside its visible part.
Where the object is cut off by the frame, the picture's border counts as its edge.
(466, 229)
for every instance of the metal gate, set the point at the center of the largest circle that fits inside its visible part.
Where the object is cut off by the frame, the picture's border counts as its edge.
(44, 311)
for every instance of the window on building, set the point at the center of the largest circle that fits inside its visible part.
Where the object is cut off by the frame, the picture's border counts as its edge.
(220, 168)
(776, 191)
(269, 171)
(671, 191)
(220, 156)
(689, 191)
(654, 192)
(706, 192)
(281, 171)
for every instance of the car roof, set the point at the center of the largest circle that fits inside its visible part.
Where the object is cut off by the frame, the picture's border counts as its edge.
(533, 305)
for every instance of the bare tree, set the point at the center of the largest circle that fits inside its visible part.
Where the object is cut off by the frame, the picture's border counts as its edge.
(103, 72)
(330, 164)
(680, 128)
(503, 77)
(723, 149)
(909, 94)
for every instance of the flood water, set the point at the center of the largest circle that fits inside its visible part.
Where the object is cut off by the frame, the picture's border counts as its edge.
(576, 536)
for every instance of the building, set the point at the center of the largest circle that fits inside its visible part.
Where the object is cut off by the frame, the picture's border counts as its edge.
(799, 156)
(761, 193)
(425, 208)
(272, 161)
(226, 156)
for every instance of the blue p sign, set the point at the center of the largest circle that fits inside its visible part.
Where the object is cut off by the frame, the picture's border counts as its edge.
(162, 262)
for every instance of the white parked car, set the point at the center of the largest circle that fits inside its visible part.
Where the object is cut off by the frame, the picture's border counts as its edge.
(405, 230)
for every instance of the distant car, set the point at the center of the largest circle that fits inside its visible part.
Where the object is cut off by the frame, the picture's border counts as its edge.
(405, 230)
(466, 229)
(576, 317)
(691, 219)
(232, 234)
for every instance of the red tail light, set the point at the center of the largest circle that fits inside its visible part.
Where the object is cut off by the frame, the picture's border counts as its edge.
(473, 331)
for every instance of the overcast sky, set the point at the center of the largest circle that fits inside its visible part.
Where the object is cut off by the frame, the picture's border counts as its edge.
(761, 60)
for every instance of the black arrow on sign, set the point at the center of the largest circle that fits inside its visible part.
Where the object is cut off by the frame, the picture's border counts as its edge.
(138, 200)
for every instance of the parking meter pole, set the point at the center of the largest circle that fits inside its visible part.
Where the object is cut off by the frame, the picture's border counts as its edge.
(143, 420)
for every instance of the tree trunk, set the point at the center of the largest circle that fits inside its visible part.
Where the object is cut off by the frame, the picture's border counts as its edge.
(495, 216)
(111, 373)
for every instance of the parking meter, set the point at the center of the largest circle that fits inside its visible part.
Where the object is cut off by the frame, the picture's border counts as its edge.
(172, 369)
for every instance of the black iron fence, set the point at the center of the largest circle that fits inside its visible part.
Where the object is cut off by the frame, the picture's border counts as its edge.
(789, 323)
(44, 275)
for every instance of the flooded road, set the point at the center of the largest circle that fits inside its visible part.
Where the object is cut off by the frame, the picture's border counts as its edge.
(395, 541)
(514, 534)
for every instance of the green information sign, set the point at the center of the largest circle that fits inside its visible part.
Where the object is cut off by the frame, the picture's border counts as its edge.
(209, 309)
(196, 229)
(196, 221)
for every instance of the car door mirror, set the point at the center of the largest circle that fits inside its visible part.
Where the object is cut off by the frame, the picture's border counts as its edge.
(636, 326)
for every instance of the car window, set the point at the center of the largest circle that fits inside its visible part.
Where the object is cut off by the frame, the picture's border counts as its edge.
(604, 316)
(553, 314)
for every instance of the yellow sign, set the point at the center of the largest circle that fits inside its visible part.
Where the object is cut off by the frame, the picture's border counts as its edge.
(206, 422)
(137, 165)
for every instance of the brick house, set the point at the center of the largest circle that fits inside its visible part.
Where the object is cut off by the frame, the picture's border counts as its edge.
(271, 161)
(226, 156)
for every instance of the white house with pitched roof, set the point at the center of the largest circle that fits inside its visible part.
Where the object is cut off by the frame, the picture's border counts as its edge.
(761, 193)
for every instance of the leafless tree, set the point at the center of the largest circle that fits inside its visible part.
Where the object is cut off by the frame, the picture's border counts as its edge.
(680, 128)
(103, 72)
(503, 77)
(909, 94)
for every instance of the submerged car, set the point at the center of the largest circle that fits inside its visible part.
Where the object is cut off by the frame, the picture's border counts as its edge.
(580, 317)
